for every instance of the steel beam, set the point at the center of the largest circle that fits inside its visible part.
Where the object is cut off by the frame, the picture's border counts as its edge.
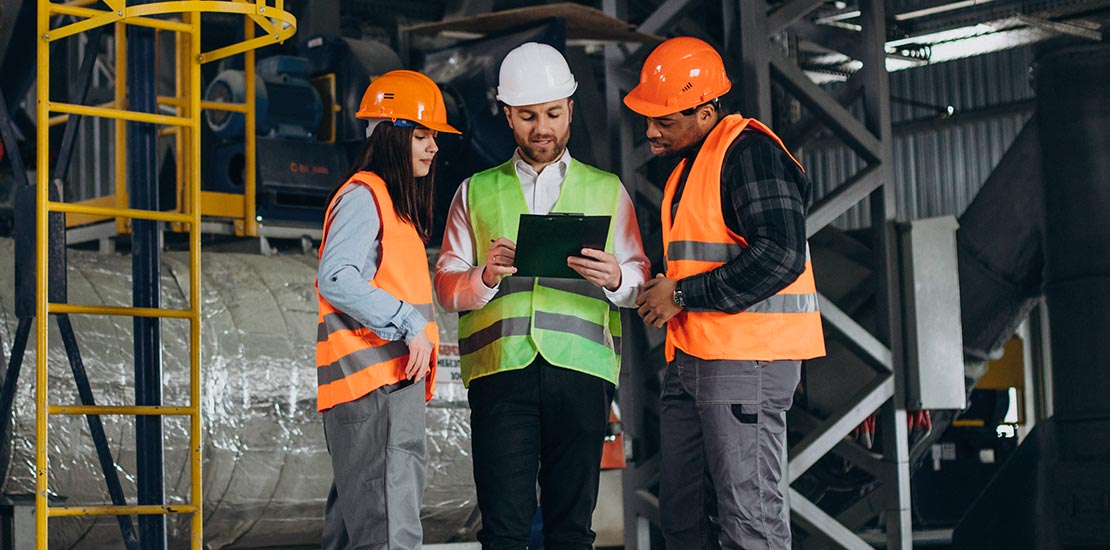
(589, 92)
(645, 505)
(752, 44)
(10, 384)
(896, 473)
(1062, 27)
(664, 16)
(877, 354)
(799, 134)
(641, 508)
(815, 521)
(930, 18)
(848, 448)
(892, 418)
(818, 443)
(839, 200)
(862, 511)
(789, 12)
(839, 39)
(81, 92)
(142, 144)
(837, 118)
(862, 458)
(7, 134)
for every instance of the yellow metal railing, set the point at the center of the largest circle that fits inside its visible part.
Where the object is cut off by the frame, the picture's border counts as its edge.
(277, 25)
(239, 208)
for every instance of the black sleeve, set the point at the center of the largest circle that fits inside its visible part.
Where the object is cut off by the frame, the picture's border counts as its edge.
(763, 199)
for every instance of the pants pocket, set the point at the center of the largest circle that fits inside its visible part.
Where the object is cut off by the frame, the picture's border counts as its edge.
(353, 412)
(371, 527)
(407, 420)
(406, 463)
(728, 382)
(746, 414)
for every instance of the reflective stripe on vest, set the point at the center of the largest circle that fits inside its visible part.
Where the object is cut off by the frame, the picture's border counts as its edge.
(785, 326)
(569, 321)
(521, 326)
(341, 321)
(351, 360)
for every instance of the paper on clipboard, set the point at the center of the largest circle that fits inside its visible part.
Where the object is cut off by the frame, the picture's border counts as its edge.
(545, 241)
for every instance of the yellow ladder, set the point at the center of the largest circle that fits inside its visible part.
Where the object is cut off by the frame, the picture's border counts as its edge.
(277, 25)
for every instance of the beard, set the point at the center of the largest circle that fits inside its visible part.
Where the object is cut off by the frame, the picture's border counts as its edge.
(536, 154)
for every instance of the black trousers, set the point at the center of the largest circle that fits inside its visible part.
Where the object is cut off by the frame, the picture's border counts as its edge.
(542, 423)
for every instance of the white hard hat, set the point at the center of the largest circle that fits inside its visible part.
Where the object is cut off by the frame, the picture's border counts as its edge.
(534, 73)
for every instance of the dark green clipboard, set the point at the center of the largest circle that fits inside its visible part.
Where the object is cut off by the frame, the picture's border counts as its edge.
(544, 241)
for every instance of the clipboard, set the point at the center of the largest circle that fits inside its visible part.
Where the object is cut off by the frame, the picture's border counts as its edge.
(544, 241)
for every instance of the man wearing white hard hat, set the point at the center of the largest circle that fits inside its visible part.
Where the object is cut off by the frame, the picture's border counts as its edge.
(540, 356)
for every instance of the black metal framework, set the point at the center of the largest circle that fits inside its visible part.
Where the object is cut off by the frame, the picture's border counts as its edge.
(146, 259)
(755, 61)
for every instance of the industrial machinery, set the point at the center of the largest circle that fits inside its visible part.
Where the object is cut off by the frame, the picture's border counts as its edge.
(306, 134)
(270, 182)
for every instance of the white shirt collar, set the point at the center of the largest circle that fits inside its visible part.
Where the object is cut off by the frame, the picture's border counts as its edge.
(562, 164)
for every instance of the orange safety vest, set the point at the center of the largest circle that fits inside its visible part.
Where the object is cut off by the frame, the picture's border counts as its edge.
(351, 360)
(785, 326)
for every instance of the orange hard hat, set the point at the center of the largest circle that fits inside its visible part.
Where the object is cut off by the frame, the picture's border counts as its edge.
(408, 96)
(681, 73)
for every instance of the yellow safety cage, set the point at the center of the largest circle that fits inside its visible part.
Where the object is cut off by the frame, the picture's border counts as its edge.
(277, 25)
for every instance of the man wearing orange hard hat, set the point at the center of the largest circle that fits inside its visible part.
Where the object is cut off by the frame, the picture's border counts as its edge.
(737, 298)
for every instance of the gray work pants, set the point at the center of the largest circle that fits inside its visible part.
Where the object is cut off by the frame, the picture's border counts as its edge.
(378, 456)
(723, 432)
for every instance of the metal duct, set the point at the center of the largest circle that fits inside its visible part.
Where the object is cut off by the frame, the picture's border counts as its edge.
(1072, 87)
(266, 469)
(1054, 490)
(999, 249)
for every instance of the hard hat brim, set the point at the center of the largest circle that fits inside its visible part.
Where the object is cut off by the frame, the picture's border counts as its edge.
(651, 109)
(439, 127)
(647, 108)
(538, 98)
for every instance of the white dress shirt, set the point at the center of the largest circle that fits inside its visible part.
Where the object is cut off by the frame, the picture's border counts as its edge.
(458, 278)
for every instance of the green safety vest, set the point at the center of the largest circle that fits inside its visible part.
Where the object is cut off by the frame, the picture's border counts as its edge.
(568, 321)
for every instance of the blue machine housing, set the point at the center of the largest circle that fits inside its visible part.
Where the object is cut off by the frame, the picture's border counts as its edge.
(306, 130)
(286, 104)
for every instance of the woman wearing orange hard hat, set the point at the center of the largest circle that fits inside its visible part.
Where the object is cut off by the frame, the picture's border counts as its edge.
(377, 339)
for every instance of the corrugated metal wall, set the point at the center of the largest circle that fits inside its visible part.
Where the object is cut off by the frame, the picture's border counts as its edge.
(939, 167)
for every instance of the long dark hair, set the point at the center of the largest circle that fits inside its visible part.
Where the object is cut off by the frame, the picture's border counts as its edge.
(388, 153)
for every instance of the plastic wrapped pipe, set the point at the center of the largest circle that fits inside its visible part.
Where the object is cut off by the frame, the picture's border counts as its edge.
(266, 467)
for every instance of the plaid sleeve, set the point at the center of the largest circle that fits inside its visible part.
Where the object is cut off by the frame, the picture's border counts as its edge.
(763, 197)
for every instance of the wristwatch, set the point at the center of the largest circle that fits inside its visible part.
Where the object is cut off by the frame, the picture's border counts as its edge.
(679, 297)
